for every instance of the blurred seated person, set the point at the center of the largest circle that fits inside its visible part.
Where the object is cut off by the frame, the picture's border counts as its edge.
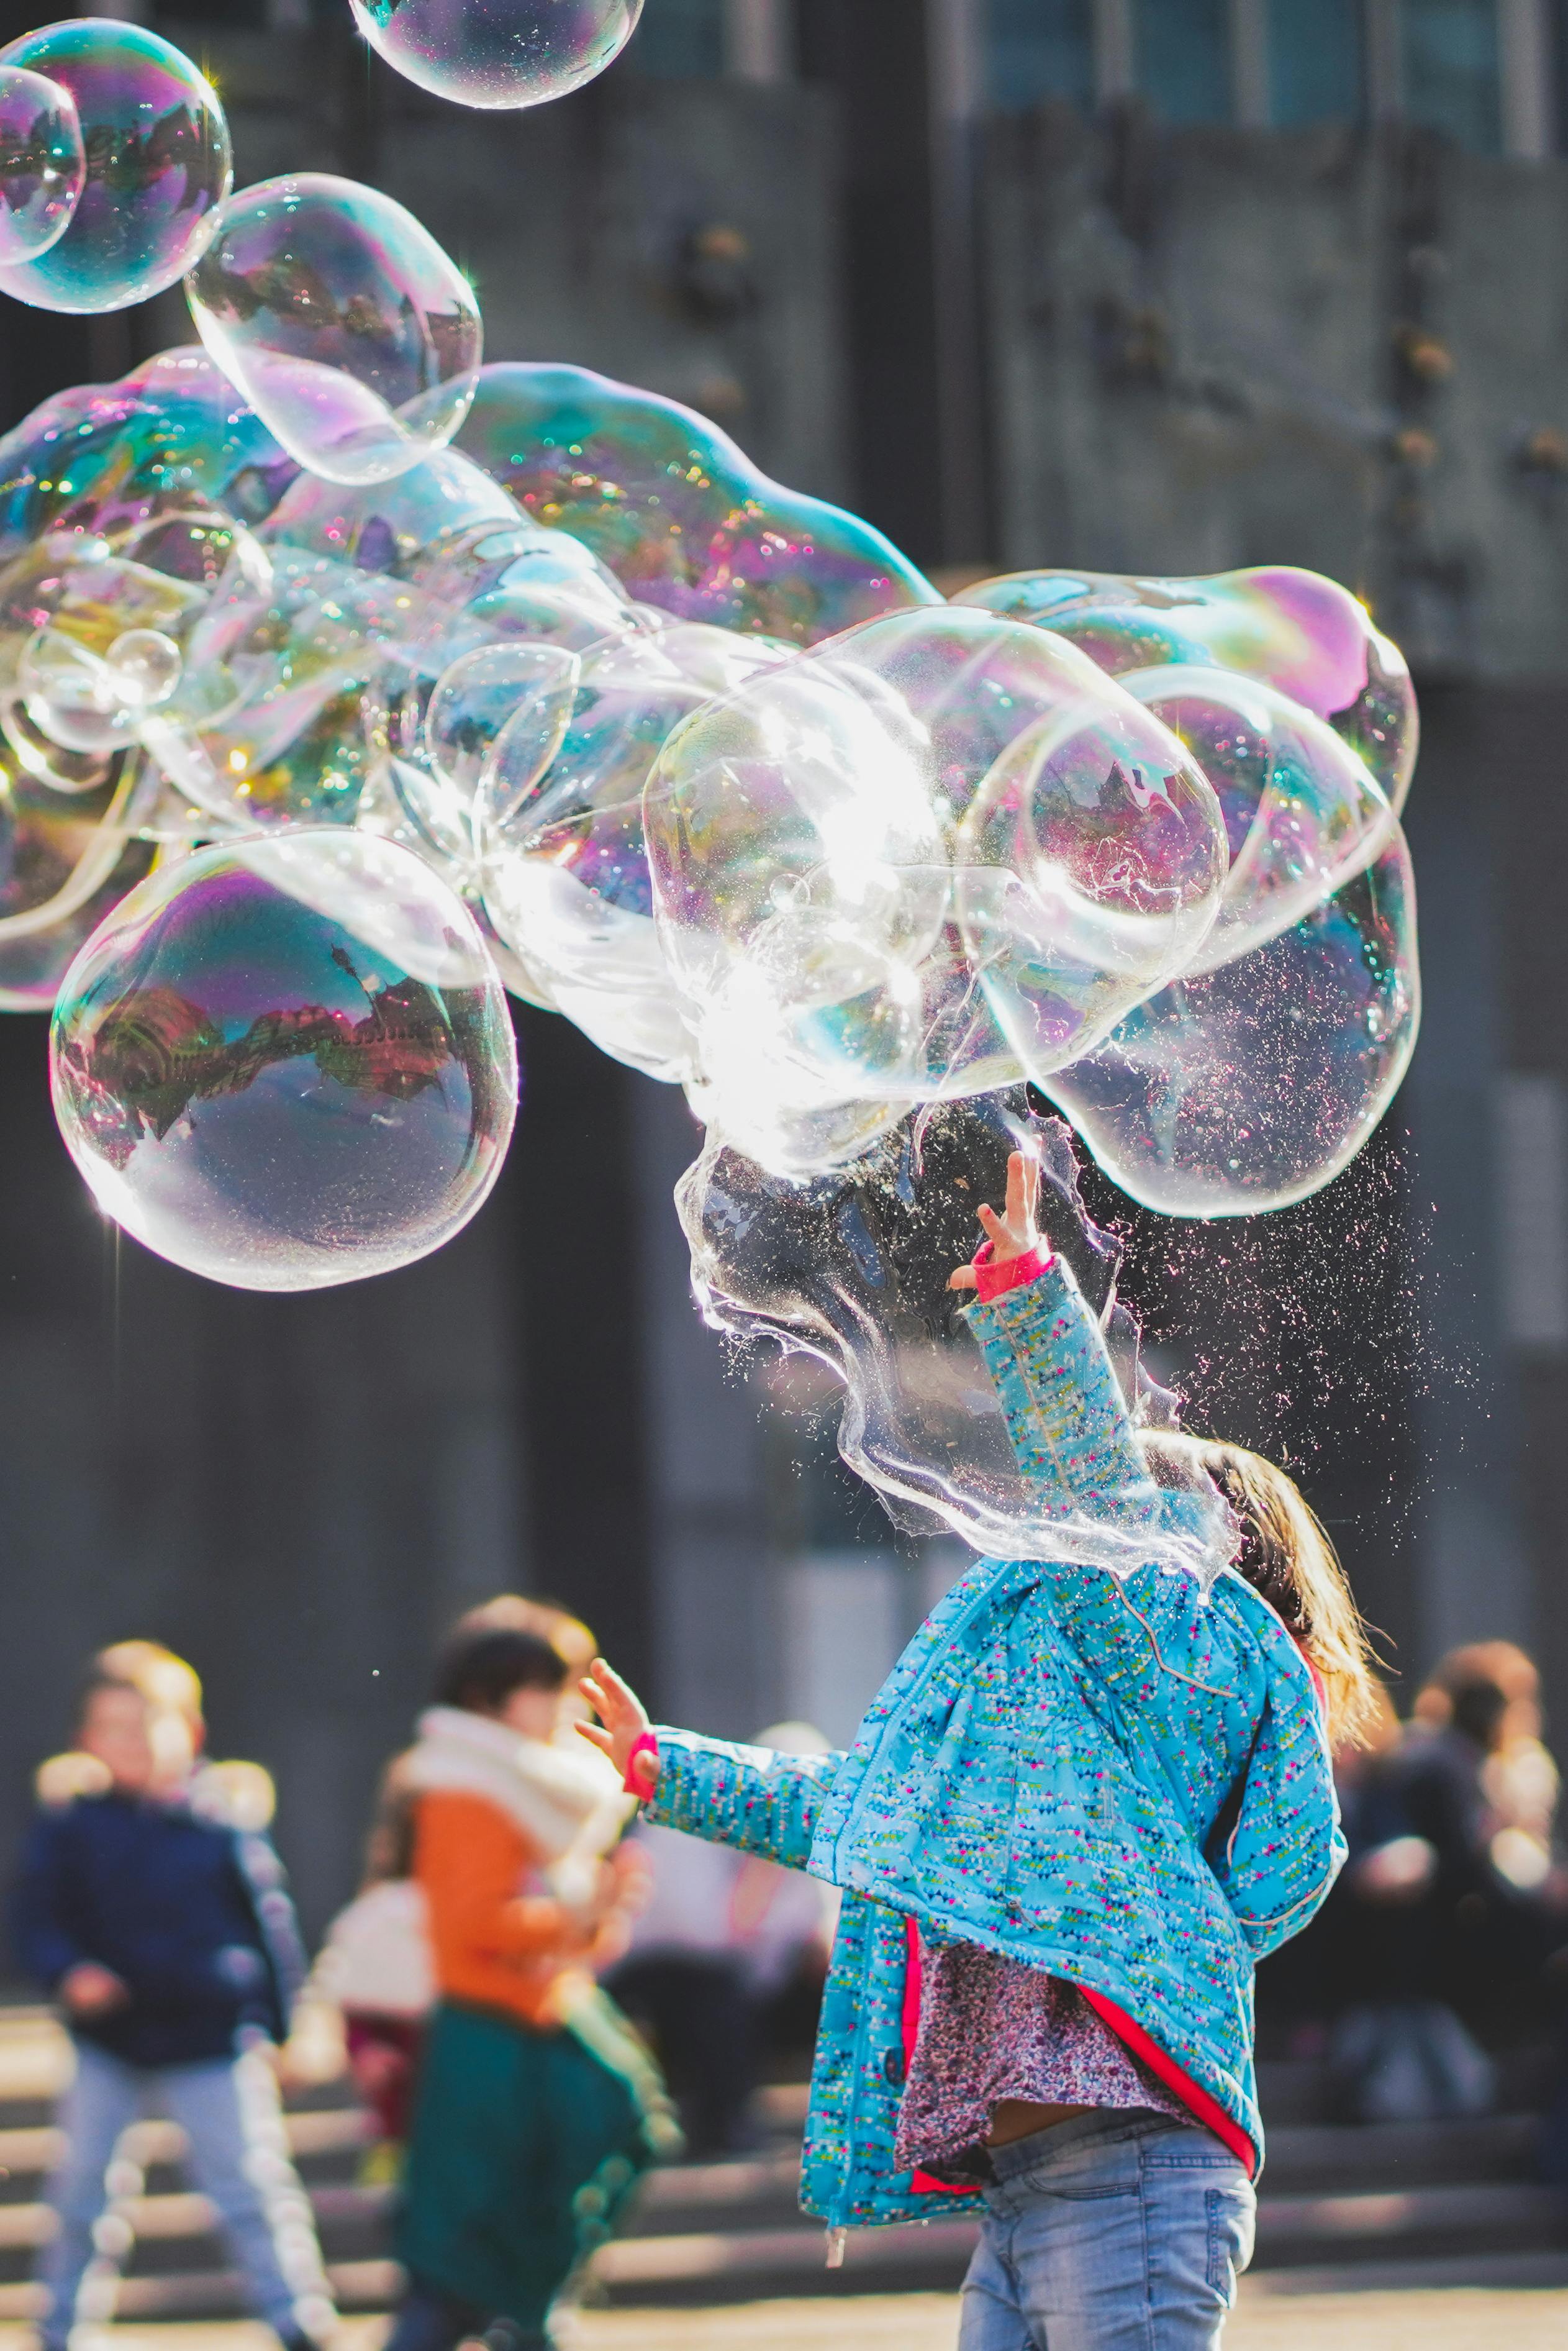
(726, 1968)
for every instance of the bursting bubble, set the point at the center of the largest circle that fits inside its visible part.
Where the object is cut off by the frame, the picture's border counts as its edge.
(1250, 1086)
(286, 1064)
(338, 316)
(845, 1275)
(498, 52)
(43, 164)
(157, 166)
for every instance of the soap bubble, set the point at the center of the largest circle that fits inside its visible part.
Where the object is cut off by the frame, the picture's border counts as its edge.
(565, 877)
(683, 518)
(934, 856)
(1302, 813)
(497, 718)
(172, 435)
(286, 1064)
(157, 166)
(68, 853)
(341, 321)
(43, 164)
(498, 52)
(849, 1271)
(1251, 1086)
(1306, 636)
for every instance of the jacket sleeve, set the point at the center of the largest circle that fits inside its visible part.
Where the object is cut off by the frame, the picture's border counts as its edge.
(1064, 1404)
(748, 1797)
(1287, 1847)
(40, 1934)
(265, 1885)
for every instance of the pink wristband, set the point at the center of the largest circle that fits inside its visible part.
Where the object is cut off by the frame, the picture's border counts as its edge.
(646, 1745)
(993, 1280)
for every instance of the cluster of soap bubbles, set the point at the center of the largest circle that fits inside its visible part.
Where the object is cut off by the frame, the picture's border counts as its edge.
(346, 681)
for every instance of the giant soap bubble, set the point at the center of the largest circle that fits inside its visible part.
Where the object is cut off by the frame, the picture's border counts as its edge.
(286, 1064)
(1307, 636)
(498, 52)
(679, 514)
(43, 162)
(938, 854)
(341, 321)
(1251, 1085)
(157, 166)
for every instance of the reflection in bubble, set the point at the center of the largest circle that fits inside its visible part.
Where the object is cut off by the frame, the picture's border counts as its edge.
(341, 321)
(158, 165)
(287, 1064)
(43, 164)
(498, 52)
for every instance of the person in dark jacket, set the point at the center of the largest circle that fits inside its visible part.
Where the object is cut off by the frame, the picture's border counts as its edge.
(167, 1936)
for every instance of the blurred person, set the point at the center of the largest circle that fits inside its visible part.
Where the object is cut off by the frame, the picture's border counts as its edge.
(376, 1967)
(536, 2106)
(730, 1950)
(166, 1934)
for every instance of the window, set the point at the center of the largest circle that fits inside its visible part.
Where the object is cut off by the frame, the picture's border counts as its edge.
(1316, 68)
(681, 39)
(1182, 57)
(1038, 50)
(1450, 68)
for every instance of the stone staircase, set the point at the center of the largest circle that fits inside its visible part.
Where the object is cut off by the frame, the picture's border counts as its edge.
(1444, 2203)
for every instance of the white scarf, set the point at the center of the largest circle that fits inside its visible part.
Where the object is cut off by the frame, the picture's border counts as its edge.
(567, 1800)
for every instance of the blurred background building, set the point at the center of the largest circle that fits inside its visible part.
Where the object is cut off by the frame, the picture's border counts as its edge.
(1171, 284)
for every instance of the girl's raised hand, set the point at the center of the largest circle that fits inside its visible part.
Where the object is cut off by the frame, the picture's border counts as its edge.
(622, 1721)
(1015, 1232)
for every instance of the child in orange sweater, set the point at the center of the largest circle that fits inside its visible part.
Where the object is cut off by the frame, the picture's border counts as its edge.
(532, 2089)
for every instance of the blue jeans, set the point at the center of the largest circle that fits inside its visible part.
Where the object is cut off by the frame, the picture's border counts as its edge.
(1112, 2232)
(237, 2154)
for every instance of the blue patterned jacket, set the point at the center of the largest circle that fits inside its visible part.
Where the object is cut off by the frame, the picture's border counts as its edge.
(1113, 1778)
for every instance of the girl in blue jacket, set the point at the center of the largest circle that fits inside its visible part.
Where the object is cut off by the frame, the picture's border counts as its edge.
(1079, 1809)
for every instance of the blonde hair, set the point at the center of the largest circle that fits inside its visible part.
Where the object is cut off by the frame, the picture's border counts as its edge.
(1286, 1555)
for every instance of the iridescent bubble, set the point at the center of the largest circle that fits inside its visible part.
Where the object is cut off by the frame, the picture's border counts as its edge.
(566, 875)
(158, 165)
(286, 1064)
(681, 517)
(498, 52)
(43, 164)
(1303, 634)
(497, 718)
(845, 1276)
(1251, 1086)
(341, 321)
(171, 436)
(68, 853)
(1302, 812)
(938, 854)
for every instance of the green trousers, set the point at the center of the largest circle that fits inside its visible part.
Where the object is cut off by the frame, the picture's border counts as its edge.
(525, 2145)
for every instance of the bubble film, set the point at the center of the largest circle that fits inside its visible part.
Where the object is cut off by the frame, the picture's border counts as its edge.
(1304, 636)
(1252, 1085)
(68, 853)
(43, 162)
(676, 512)
(158, 165)
(940, 853)
(498, 52)
(851, 1270)
(343, 322)
(286, 1064)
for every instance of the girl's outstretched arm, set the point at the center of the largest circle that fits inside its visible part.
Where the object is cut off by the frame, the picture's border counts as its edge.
(749, 1797)
(1065, 1411)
